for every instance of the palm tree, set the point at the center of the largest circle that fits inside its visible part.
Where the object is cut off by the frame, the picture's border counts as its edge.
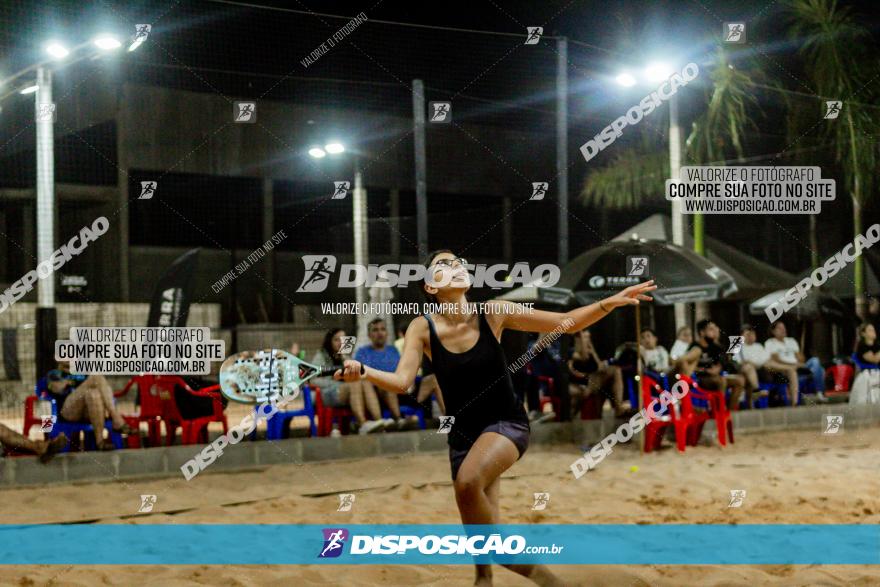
(834, 46)
(718, 133)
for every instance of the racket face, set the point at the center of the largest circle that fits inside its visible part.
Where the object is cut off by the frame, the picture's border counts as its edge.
(254, 377)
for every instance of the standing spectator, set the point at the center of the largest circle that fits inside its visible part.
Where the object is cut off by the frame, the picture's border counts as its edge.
(655, 356)
(682, 343)
(705, 357)
(590, 374)
(383, 356)
(784, 349)
(868, 348)
(355, 394)
(754, 354)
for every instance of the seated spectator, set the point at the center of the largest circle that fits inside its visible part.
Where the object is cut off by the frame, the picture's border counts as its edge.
(545, 362)
(753, 353)
(784, 349)
(682, 343)
(12, 441)
(296, 352)
(353, 394)
(654, 356)
(84, 399)
(383, 356)
(705, 357)
(867, 348)
(398, 342)
(195, 406)
(590, 374)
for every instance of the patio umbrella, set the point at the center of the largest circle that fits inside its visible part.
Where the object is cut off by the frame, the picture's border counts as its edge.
(815, 305)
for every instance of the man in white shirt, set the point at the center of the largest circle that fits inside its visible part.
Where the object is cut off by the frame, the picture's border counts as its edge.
(654, 356)
(784, 349)
(753, 353)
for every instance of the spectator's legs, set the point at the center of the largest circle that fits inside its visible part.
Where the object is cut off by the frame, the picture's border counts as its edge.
(355, 393)
(818, 371)
(392, 402)
(577, 393)
(737, 384)
(86, 402)
(533, 396)
(100, 383)
(790, 374)
(45, 449)
(750, 375)
(609, 375)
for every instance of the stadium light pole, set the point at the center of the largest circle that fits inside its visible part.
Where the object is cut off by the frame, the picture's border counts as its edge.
(657, 72)
(359, 223)
(46, 317)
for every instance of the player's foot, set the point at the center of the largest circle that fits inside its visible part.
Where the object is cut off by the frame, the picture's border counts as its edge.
(53, 447)
(545, 417)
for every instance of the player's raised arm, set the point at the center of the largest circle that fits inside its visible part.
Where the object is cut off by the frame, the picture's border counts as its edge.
(574, 320)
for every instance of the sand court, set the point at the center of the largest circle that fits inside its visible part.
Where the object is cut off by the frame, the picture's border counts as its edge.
(790, 477)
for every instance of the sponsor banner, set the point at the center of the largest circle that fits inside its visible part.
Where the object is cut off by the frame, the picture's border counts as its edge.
(172, 296)
(576, 544)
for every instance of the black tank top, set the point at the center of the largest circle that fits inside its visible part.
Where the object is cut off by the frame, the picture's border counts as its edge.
(476, 384)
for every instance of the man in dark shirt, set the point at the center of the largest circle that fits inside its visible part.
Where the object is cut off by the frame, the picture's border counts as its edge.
(705, 357)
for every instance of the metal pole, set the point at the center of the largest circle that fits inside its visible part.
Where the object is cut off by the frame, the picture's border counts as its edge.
(674, 168)
(46, 318)
(421, 172)
(359, 221)
(562, 146)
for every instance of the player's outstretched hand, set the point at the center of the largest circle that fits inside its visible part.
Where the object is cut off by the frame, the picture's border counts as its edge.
(351, 371)
(631, 295)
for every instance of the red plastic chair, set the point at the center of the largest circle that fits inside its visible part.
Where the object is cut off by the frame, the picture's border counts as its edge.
(673, 416)
(154, 392)
(842, 375)
(718, 411)
(550, 396)
(326, 416)
(29, 418)
(195, 431)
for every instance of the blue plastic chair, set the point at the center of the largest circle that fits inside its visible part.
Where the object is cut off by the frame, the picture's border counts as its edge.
(407, 411)
(861, 365)
(279, 423)
(73, 429)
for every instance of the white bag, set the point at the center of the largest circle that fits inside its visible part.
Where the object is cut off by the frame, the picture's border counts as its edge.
(866, 388)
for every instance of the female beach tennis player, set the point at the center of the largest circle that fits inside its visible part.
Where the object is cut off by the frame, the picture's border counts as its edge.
(491, 429)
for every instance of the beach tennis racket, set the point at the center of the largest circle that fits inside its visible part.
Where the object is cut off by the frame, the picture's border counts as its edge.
(254, 377)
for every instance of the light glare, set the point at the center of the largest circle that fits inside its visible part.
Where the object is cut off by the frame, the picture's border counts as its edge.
(317, 152)
(107, 43)
(626, 80)
(334, 148)
(658, 71)
(57, 50)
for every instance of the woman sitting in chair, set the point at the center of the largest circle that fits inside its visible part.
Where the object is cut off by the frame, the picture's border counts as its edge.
(353, 394)
(84, 399)
(868, 348)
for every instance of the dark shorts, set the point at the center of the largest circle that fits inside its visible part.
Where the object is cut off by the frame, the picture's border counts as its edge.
(517, 432)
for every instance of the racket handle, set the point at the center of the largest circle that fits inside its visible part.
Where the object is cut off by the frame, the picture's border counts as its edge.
(329, 371)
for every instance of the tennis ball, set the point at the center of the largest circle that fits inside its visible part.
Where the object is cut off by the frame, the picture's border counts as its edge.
(634, 469)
